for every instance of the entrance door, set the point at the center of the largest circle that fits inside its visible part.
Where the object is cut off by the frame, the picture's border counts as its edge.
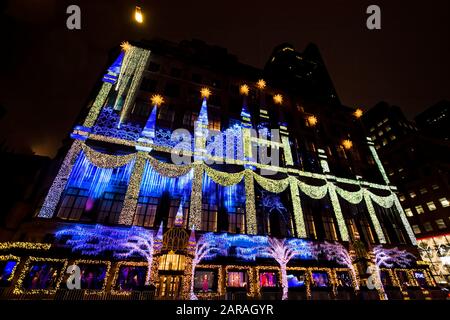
(169, 287)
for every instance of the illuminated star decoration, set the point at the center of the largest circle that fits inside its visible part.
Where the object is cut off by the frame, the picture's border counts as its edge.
(157, 100)
(125, 45)
(358, 113)
(278, 99)
(312, 121)
(261, 84)
(347, 144)
(244, 90)
(205, 93)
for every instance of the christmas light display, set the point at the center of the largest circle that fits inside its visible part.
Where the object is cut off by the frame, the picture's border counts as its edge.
(15, 260)
(195, 215)
(297, 208)
(107, 264)
(337, 252)
(24, 245)
(119, 265)
(338, 212)
(373, 217)
(103, 160)
(58, 185)
(250, 209)
(261, 84)
(19, 287)
(132, 193)
(99, 101)
(124, 243)
(274, 186)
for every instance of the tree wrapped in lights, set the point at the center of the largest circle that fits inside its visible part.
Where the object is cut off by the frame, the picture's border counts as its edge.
(282, 252)
(389, 258)
(338, 253)
(122, 243)
(207, 247)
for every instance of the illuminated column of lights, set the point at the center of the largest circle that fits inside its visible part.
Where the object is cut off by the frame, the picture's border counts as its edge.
(296, 204)
(250, 209)
(126, 71)
(195, 214)
(377, 160)
(286, 146)
(57, 188)
(323, 160)
(373, 216)
(405, 222)
(142, 59)
(246, 122)
(132, 194)
(338, 212)
(94, 111)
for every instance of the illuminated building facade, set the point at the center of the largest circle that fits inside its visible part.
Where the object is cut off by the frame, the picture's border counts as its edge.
(416, 160)
(146, 213)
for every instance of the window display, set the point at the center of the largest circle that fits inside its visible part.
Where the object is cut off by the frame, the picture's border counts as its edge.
(131, 277)
(237, 279)
(42, 275)
(268, 279)
(205, 281)
(320, 280)
(6, 270)
(296, 279)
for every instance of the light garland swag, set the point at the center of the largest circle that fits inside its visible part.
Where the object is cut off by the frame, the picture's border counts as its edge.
(224, 179)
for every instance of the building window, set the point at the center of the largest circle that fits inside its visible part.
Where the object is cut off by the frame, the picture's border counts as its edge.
(423, 190)
(419, 209)
(416, 229)
(435, 187)
(73, 204)
(209, 217)
(385, 142)
(329, 228)
(431, 206)
(412, 194)
(110, 207)
(214, 124)
(388, 128)
(310, 227)
(440, 224)
(393, 137)
(372, 129)
(174, 206)
(409, 212)
(402, 198)
(166, 114)
(146, 212)
(380, 133)
(154, 67)
(236, 221)
(444, 202)
(427, 226)
(190, 118)
(172, 262)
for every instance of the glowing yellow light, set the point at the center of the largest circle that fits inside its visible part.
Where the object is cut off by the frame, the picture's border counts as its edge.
(138, 15)
(278, 99)
(157, 100)
(244, 90)
(312, 121)
(347, 144)
(261, 84)
(205, 92)
(125, 45)
(358, 113)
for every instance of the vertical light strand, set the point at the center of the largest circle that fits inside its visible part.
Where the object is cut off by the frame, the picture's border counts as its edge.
(373, 217)
(250, 209)
(406, 224)
(132, 194)
(96, 107)
(142, 62)
(57, 188)
(338, 212)
(297, 206)
(377, 161)
(195, 214)
(287, 150)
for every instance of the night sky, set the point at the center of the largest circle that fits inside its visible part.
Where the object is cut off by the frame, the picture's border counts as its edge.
(47, 71)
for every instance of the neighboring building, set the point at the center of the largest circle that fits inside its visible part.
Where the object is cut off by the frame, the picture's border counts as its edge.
(435, 121)
(220, 230)
(418, 165)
